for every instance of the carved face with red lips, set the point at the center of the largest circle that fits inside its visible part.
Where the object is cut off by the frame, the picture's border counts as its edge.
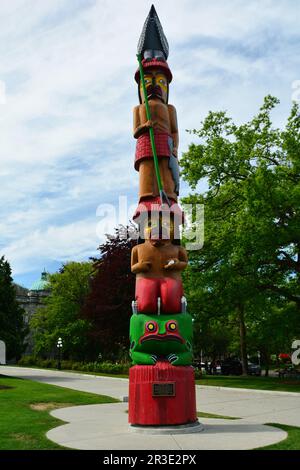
(161, 337)
(157, 85)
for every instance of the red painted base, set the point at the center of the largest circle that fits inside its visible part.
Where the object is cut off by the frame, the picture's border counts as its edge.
(161, 395)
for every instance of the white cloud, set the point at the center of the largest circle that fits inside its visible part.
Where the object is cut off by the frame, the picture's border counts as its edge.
(77, 240)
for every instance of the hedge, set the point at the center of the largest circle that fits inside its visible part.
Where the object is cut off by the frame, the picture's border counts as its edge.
(102, 367)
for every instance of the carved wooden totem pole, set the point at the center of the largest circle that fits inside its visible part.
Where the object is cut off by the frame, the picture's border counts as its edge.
(161, 385)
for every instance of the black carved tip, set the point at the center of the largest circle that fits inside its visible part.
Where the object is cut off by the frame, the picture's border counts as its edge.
(152, 10)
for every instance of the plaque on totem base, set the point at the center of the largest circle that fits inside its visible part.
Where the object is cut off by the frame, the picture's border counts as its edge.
(163, 389)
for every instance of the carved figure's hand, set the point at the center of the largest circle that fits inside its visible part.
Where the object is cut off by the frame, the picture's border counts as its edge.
(150, 123)
(171, 264)
(145, 266)
(154, 358)
(141, 267)
(172, 358)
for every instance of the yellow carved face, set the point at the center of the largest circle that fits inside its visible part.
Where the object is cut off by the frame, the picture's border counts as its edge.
(156, 85)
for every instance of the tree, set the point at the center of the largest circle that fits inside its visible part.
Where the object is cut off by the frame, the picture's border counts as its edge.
(275, 331)
(108, 306)
(60, 315)
(12, 328)
(252, 250)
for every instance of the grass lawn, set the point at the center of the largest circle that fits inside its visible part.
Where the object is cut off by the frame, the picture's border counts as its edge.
(25, 406)
(258, 383)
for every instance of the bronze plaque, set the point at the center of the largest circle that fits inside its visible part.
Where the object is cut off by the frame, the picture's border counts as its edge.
(163, 389)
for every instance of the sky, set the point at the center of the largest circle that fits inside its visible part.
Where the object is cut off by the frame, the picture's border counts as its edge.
(66, 98)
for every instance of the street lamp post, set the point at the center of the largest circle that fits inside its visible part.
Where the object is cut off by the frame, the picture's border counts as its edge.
(59, 347)
(201, 351)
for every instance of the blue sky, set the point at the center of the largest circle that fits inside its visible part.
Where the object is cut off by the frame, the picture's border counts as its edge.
(66, 142)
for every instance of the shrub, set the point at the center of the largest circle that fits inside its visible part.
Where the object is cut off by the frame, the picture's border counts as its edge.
(76, 366)
(27, 361)
(100, 367)
(66, 365)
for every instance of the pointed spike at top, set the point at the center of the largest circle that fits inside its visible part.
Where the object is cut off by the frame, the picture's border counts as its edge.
(153, 42)
(152, 11)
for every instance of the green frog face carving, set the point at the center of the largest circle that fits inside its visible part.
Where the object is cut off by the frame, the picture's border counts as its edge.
(161, 337)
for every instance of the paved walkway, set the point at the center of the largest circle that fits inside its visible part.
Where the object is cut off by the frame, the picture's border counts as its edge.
(94, 427)
(113, 387)
(83, 431)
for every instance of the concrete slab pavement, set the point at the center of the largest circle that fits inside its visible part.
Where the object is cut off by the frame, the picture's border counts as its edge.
(105, 427)
(255, 406)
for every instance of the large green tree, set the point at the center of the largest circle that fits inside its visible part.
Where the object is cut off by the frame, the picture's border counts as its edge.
(60, 316)
(251, 254)
(12, 328)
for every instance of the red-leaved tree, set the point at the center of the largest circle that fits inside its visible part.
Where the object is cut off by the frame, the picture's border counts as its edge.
(108, 305)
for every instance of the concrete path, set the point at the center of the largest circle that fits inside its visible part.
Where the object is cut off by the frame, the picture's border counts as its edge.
(256, 406)
(94, 427)
(113, 387)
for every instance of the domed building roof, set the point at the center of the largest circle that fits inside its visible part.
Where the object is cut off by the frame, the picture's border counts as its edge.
(41, 284)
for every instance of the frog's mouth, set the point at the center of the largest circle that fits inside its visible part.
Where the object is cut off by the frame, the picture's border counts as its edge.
(163, 337)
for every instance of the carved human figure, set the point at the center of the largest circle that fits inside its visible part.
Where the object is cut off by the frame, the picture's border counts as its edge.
(157, 264)
(164, 122)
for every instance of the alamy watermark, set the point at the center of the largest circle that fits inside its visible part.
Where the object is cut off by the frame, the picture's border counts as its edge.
(295, 357)
(188, 221)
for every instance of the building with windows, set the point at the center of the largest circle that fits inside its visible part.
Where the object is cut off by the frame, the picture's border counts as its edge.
(31, 300)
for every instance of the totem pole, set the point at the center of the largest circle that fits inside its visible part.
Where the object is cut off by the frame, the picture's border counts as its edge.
(161, 382)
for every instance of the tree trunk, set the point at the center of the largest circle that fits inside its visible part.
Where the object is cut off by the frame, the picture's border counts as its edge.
(243, 344)
(266, 361)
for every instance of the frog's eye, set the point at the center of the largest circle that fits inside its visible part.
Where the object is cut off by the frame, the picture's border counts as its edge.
(151, 326)
(172, 325)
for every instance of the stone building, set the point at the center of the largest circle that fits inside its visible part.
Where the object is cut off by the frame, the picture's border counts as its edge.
(32, 299)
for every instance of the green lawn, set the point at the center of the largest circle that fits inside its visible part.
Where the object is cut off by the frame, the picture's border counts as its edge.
(25, 406)
(258, 383)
